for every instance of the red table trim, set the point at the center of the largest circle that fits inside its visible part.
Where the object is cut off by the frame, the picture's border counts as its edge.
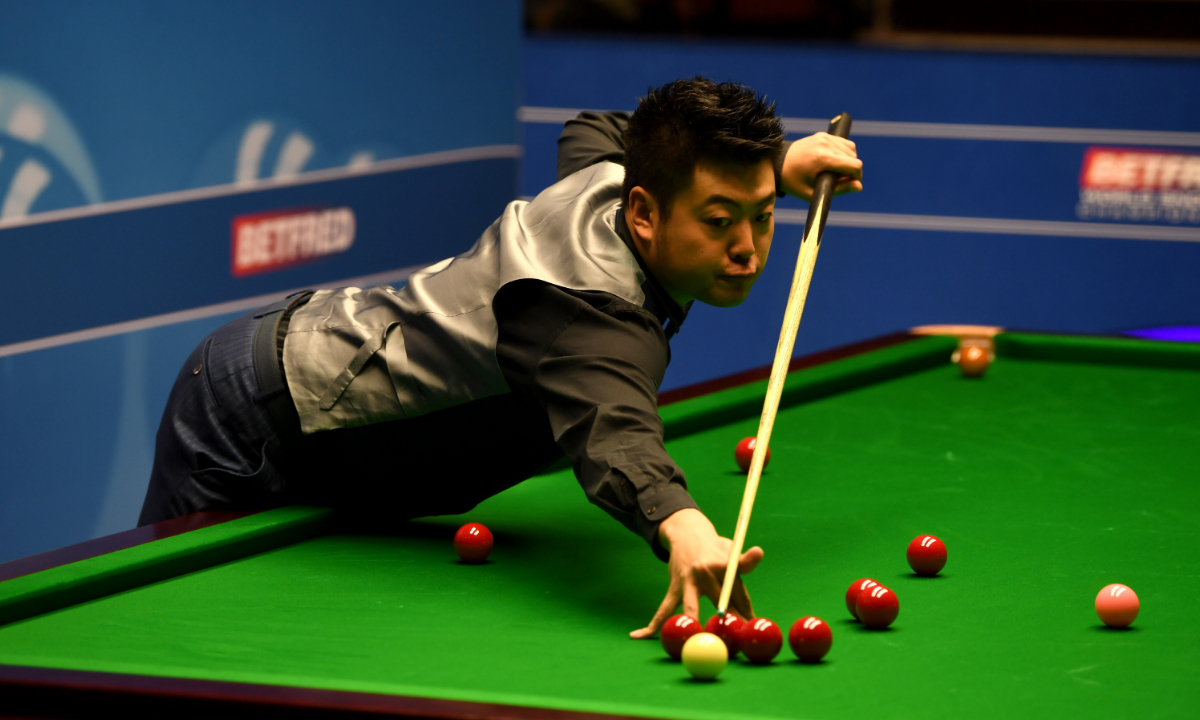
(50, 693)
(762, 373)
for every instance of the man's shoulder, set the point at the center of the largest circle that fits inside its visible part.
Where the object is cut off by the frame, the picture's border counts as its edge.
(600, 180)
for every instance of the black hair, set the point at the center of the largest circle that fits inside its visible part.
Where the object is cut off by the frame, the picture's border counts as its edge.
(689, 121)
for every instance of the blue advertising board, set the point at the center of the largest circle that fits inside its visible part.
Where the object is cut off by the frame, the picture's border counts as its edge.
(167, 167)
(1042, 192)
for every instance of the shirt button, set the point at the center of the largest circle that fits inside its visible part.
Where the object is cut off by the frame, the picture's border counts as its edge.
(653, 509)
(196, 370)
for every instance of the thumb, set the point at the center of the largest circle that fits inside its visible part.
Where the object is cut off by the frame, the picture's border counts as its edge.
(750, 560)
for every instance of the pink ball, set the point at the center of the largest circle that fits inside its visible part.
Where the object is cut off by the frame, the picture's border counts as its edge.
(1117, 605)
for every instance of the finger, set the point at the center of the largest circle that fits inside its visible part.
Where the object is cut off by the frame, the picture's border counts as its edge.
(842, 165)
(665, 610)
(739, 601)
(691, 599)
(804, 192)
(750, 560)
(709, 585)
(840, 143)
(847, 186)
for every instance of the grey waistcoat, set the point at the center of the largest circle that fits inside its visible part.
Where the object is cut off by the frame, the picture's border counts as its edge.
(565, 236)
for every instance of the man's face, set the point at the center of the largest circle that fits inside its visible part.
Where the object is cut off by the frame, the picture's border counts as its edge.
(714, 243)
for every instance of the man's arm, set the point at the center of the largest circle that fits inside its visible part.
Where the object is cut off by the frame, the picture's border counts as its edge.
(594, 362)
(589, 139)
(597, 137)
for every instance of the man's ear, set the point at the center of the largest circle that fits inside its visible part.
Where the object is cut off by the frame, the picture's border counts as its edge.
(642, 213)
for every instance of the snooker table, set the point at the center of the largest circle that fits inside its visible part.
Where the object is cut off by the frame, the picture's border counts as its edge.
(1073, 463)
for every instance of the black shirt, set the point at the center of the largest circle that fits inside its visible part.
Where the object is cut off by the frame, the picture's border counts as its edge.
(584, 369)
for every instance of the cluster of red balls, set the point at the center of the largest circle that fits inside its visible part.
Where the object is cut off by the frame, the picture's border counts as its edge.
(810, 638)
(760, 639)
(876, 606)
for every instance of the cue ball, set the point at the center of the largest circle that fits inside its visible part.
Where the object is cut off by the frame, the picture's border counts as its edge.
(810, 638)
(676, 631)
(473, 543)
(878, 607)
(973, 361)
(1117, 605)
(704, 656)
(857, 587)
(760, 640)
(926, 555)
(745, 453)
(728, 628)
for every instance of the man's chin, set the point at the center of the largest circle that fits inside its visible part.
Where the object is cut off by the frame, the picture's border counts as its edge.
(724, 297)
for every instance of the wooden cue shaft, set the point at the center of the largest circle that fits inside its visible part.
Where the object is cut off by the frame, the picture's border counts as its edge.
(807, 260)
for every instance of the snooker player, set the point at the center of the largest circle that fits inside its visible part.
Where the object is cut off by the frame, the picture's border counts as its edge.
(548, 338)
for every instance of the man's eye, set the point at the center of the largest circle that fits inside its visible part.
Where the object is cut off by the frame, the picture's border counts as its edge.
(763, 218)
(719, 222)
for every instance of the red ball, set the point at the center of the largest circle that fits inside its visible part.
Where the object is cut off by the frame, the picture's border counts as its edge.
(927, 555)
(878, 607)
(675, 633)
(857, 587)
(973, 361)
(760, 640)
(729, 629)
(745, 453)
(810, 638)
(473, 543)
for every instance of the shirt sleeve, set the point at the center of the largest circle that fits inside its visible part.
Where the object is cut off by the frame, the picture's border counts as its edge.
(591, 138)
(594, 363)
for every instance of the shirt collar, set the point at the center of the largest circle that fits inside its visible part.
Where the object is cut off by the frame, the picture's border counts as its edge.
(658, 301)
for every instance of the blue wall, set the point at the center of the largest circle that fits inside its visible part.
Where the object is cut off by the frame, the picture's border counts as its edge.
(132, 134)
(142, 114)
(1033, 263)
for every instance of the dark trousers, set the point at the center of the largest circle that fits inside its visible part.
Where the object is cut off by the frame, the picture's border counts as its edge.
(217, 447)
(220, 446)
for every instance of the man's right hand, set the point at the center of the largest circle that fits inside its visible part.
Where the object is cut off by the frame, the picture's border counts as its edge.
(697, 567)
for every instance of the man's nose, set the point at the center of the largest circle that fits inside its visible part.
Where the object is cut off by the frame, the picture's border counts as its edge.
(743, 242)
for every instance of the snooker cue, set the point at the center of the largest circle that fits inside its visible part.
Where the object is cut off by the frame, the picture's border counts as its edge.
(818, 211)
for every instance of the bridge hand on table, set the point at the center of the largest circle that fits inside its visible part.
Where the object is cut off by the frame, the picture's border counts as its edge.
(697, 567)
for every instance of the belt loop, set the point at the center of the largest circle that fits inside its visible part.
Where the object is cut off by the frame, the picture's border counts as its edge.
(272, 389)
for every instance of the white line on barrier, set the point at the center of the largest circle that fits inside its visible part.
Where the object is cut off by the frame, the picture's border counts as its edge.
(785, 216)
(944, 131)
(446, 157)
(225, 308)
(996, 226)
